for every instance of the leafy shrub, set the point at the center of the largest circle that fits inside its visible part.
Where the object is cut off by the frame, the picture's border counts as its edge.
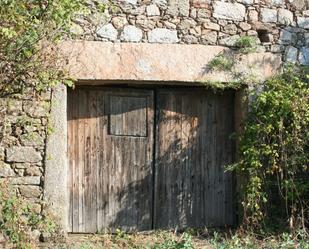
(274, 151)
(251, 241)
(19, 219)
(28, 31)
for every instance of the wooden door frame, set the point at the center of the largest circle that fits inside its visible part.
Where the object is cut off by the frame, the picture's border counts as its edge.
(56, 161)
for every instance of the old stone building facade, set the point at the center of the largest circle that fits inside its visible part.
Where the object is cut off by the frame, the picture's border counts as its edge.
(281, 28)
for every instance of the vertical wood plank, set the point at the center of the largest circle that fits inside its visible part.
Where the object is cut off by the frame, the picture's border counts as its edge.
(111, 159)
(193, 146)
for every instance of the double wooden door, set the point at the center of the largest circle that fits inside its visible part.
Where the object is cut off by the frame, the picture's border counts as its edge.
(149, 159)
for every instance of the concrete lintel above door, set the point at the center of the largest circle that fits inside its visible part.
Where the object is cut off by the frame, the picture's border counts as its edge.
(163, 63)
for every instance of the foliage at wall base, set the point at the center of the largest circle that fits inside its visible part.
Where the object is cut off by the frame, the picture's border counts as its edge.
(274, 152)
(20, 222)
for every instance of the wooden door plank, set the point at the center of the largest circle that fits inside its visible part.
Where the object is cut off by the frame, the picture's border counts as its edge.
(102, 172)
(190, 183)
(113, 150)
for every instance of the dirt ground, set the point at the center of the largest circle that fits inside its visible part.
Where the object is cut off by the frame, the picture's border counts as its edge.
(120, 240)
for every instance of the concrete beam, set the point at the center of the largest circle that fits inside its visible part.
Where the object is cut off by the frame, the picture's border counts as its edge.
(101, 61)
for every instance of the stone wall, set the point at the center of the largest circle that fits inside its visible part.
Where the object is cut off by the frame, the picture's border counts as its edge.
(23, 132)
(280, 26)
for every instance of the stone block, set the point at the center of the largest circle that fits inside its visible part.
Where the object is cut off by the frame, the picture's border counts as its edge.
(161, 3)
(268, 15)
(277, 48)
(306, 36)
(203, 13)
(229, 41)
(304, 56)
(211, 25)
(136, 11)
(161, 35)
(303, 22)
(29, 191)
(247, 2)
(131, 34)
(6, 170)
(200, 3)
(285, 16)
(32, 139)
(186, 24)
(20, 165)
(33, 171)
(306, 13)
(76, 29)
(133, 2)
(275, 2)
(230, 11)
(178, 8)
(23, 154)
(298, 4)
(145, 23)
(245, 26)
(119, 21)
(36, 109)
(1, 153)
(190, 39)
(152, 10)
(169, 25)
(3, 105)
(253, 16)
(291, 54)
(230, 29)
(287, 37)
(209, 37)
(14, 107)
(26, 180)
(108, 32)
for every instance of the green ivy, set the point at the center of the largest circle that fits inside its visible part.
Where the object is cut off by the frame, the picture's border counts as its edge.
(274, 151)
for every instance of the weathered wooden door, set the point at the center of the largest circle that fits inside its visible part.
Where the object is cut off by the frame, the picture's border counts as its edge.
(123, 174)
(110, 159)
(192, 147)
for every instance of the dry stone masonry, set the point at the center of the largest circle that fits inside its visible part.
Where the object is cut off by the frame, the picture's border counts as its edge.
(280, 26)
(23, 131)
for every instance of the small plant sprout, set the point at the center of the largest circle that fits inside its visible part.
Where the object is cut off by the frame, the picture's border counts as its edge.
(246, 44)
(221, 63)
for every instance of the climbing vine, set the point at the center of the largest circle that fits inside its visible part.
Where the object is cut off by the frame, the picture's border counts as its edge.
(274, 152)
